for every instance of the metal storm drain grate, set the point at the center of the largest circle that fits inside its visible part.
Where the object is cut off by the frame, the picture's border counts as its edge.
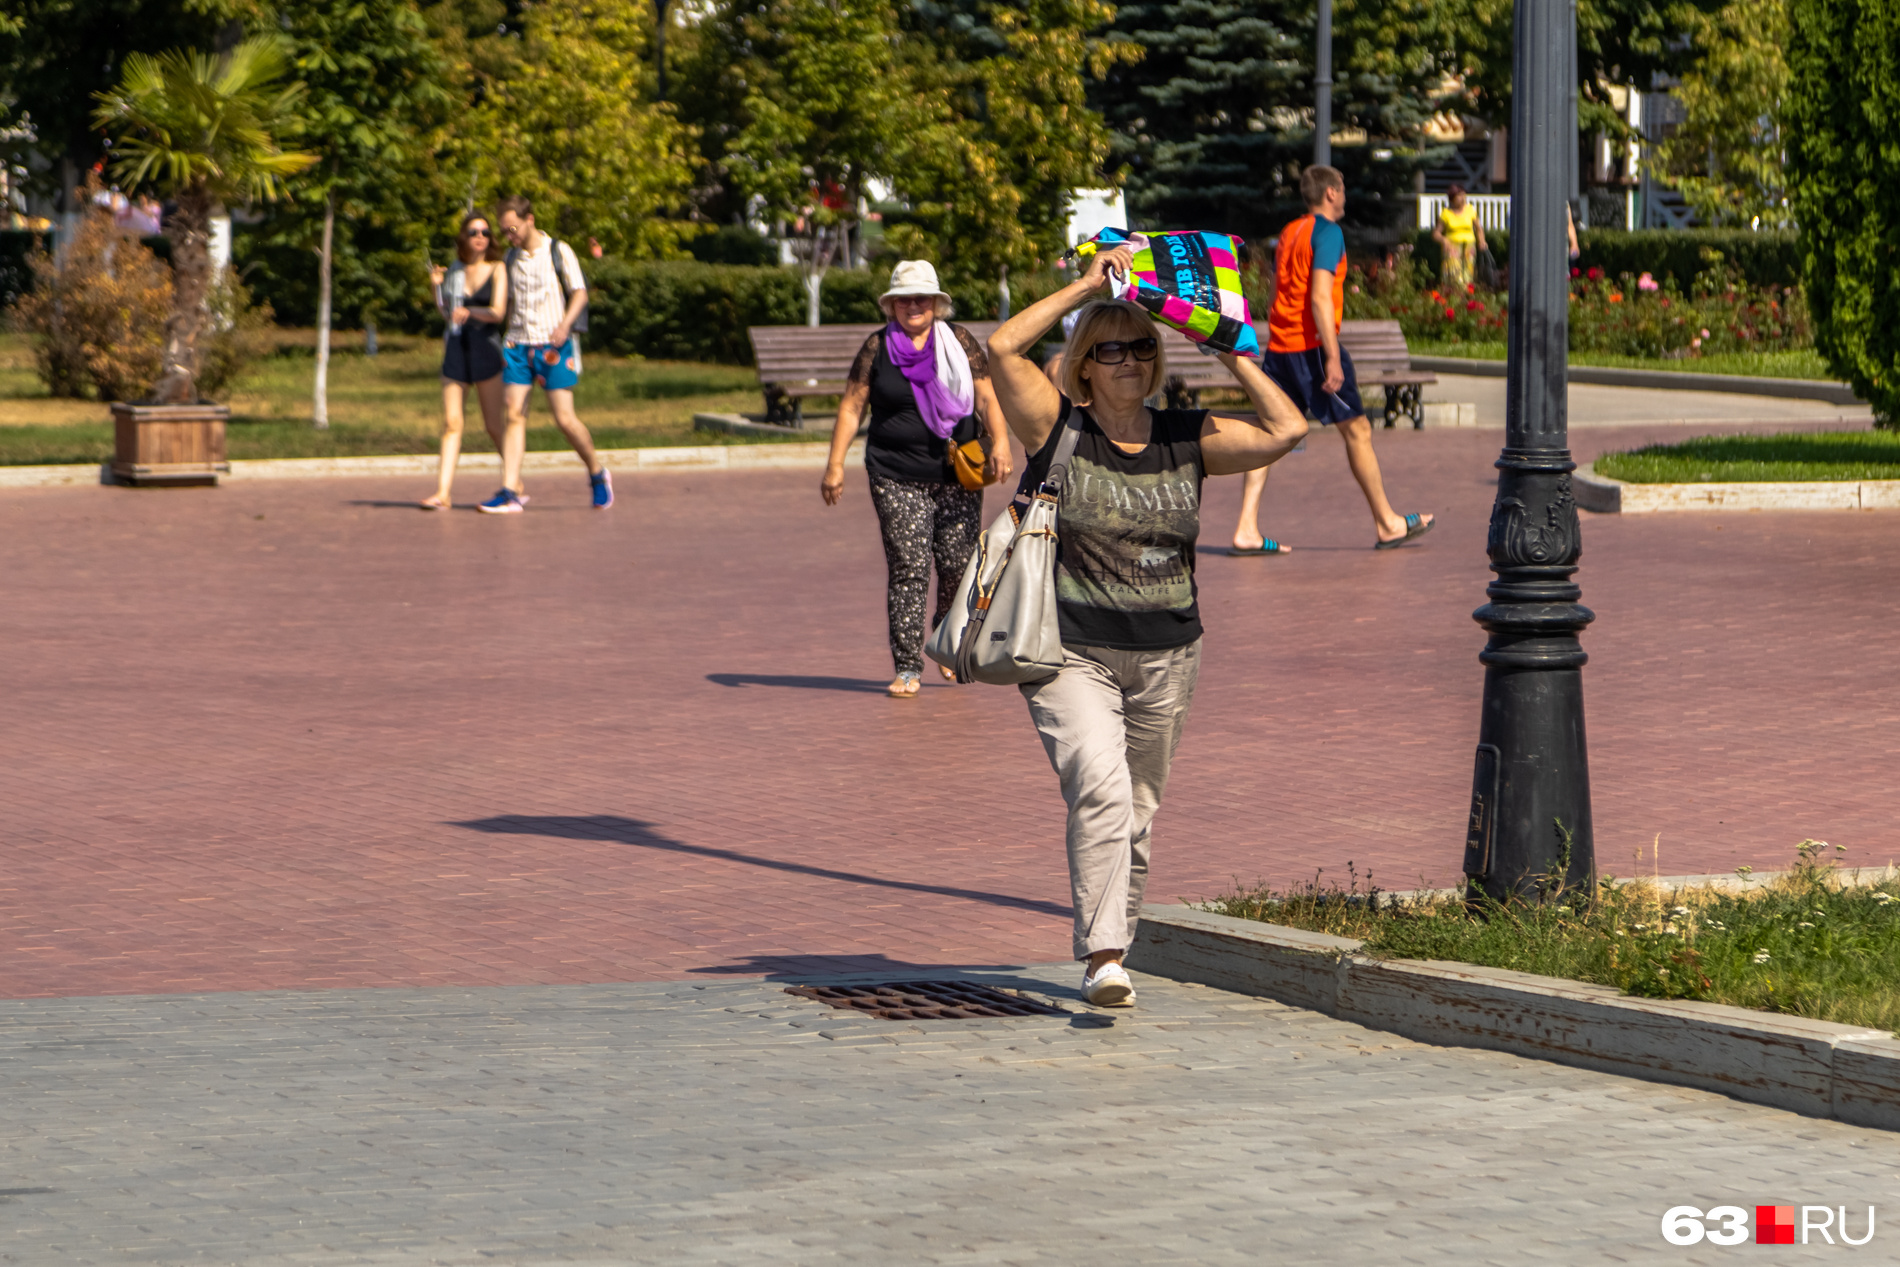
(926, 1000)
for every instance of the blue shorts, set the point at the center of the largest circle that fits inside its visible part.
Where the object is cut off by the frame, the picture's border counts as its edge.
(1301, 374)
(555, 369)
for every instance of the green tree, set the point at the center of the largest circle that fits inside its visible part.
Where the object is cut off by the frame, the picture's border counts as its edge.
(376, 93)
(57, 56)
(989, 177)
(1214, 123)
(1727, 158)
(1618, 42)
(825, 112)
(201, 130)
(1843, 118)
(572, 124)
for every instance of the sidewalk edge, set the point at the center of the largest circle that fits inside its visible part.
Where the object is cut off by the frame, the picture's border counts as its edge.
(1834, 393)
(1814, 1068)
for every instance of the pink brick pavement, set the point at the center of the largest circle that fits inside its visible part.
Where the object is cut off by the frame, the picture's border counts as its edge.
(279, 735)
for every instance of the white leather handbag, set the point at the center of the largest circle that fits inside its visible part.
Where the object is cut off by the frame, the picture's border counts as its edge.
(1002, 626)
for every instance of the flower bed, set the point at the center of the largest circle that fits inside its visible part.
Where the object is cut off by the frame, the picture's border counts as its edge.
(1807, 943)
(1634, 316)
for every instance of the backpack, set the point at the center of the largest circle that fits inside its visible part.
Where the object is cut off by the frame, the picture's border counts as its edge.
(560, 279)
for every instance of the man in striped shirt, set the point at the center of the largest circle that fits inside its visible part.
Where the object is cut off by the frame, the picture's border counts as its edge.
(547, 297)
(1304, 360)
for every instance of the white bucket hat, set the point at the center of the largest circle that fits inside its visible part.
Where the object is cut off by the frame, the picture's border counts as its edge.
(913, 277)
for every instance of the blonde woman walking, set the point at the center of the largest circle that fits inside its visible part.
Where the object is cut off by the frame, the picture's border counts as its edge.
(1125, 595)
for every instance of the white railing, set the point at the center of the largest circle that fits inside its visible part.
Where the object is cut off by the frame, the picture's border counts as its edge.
(1494, 210)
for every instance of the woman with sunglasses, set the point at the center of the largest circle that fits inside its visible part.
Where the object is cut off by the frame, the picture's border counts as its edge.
(472, 295)
(1125, 596)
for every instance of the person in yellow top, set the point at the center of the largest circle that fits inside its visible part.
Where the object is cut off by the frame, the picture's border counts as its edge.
(1460, 237)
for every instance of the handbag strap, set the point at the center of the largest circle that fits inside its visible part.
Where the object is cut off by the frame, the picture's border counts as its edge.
(1059, 460)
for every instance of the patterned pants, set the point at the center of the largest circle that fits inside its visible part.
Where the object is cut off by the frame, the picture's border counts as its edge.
(920, 521)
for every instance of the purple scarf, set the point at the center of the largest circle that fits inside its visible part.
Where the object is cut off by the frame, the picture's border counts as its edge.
(941, 410)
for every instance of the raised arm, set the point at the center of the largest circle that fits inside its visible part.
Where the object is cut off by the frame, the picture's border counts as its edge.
(1030, 402)
(1230, 444)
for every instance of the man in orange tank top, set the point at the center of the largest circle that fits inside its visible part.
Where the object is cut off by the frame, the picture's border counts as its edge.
(1304, 359)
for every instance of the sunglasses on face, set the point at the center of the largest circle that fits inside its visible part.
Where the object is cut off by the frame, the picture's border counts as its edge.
(475, 233)
(1116, 351)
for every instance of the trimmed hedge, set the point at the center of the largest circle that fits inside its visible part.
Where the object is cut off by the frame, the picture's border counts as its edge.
(1764, 259)
(687, 311)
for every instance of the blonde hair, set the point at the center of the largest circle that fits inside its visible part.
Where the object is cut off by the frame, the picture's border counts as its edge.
(945, 308)
(1110, 319)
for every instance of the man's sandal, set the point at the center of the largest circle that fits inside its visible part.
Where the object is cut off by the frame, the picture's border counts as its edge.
(1269, 546)
(1414, 527)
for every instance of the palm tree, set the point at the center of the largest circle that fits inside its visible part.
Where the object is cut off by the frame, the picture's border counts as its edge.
(200, 130)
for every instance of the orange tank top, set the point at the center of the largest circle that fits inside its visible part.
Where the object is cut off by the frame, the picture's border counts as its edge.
(1309, 243)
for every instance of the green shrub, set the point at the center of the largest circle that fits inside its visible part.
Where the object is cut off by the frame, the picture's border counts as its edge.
(688, 311)
(1760, 259)
(1843, 112)
(1642, 316)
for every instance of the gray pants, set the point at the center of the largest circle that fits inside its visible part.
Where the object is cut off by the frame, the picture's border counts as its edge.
(1110, 722)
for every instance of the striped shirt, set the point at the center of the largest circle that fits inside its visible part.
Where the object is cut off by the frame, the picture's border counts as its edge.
(534, 293)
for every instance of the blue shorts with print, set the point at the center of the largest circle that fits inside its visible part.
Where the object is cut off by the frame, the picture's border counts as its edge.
(1302, 376)
(545, 365)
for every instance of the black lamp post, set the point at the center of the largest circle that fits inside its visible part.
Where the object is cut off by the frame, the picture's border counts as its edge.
(1530, 794)
(1323, 87)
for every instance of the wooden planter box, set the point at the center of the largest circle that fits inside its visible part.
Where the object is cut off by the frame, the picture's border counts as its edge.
(168, 444)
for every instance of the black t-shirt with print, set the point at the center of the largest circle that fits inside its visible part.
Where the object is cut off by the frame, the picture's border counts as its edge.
(1127, 527)
(900, 444)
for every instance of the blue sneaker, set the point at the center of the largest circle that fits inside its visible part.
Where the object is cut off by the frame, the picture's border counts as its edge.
(502, 503)
(603, 482)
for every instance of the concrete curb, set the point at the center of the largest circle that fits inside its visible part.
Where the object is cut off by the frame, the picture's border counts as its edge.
(707, 457)
(1810, 1067)
(1612, 497)
(1662, 380)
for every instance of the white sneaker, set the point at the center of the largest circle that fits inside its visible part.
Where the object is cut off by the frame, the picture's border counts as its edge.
(1108, 986)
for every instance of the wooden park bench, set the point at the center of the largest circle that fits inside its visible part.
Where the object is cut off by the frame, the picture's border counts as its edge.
(1379, 359)
(798, 362)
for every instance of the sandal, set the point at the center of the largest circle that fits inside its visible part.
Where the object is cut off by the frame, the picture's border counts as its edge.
(1269, 546)
(904, 685)
(438, 502)
(949, 674)
(1414, 527)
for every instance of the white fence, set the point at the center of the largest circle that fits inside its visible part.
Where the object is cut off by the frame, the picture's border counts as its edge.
(1494, 210)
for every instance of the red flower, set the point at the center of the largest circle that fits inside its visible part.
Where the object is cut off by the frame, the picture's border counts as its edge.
(1471, 288)
(1576, 272)
(1474, 305)
(1450, 315)
(1616, 296)
(1595, 274)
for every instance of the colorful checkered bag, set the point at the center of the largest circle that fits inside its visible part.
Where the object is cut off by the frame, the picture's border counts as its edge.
(1188, 280)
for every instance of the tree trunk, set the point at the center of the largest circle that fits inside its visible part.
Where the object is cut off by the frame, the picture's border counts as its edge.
(1002, 294)
(189, 228)
(320, 393)
(659, 46)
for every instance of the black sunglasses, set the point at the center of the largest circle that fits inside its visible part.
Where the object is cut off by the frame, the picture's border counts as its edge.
(1116, 351)
(476, 233)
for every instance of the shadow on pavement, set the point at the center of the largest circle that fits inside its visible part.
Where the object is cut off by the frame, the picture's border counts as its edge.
(631, 831)
(794, 680)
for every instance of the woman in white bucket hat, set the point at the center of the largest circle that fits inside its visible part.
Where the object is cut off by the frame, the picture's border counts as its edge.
(926, 382)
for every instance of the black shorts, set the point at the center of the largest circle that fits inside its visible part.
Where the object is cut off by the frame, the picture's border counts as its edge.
(473, 356)
(1301, 376)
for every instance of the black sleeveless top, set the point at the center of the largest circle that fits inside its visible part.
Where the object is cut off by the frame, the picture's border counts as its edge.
(900, 444)
(481, 331)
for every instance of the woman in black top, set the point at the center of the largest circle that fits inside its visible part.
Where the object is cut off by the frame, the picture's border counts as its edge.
(472, 295)
(924, 396)
(1125, 596)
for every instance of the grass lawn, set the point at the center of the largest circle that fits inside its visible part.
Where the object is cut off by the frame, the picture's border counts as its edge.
(1806, 363)
(388, 403)
(1804, 944)
(1819, 455)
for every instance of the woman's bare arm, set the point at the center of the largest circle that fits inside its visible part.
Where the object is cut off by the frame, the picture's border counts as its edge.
(1002, 463)
(1030, 402)
(843, 432)
(1231, 444)
(497, 310)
